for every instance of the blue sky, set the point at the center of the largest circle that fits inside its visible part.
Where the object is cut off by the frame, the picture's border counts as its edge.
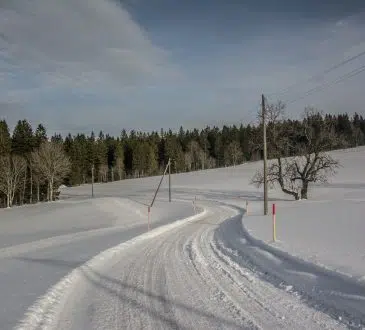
(82, 65)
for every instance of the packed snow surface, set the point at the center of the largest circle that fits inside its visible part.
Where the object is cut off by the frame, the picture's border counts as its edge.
(40, 244)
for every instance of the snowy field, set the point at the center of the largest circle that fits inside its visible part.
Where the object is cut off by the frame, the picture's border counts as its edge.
(216, 269)
(328, 229)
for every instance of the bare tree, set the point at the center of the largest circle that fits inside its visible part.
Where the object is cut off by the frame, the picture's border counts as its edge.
(357, 136)
(233, 154)
(120, 168)
(188, 158)
(38, 180)
(211, 162)
(197, 155)
(112, 173)
(12, 169)
(103, 173)
(307, 144)
(51, 164)
(31, 178)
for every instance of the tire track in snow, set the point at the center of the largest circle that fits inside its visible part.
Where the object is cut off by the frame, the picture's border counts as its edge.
(329, 292)
(178, 278)
(45, 312)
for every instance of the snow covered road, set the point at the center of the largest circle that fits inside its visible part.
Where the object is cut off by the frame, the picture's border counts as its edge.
(183, 277)
(31, 237)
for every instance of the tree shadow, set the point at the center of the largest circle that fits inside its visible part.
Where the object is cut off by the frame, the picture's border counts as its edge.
(119, 289)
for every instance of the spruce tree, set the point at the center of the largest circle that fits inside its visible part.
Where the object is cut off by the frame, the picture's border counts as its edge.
(5, 139)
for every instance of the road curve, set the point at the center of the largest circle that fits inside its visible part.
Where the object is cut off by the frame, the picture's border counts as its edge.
(178, 279)
(33, 238)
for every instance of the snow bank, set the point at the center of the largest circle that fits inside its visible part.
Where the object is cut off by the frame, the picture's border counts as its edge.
(337, 295)
(329, 233)
(43, 222)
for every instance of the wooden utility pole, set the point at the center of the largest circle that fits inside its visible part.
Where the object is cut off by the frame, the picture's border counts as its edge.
(205, 152)
(170, 180)
(265, 156)
(92, 180)
(159, 185)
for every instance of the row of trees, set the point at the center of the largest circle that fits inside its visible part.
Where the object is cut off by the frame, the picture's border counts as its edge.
(33, 165)
(30, 165)
(140, 154)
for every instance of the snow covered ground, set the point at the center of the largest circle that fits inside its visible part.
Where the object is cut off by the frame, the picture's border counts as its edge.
(35, 239)
(217, 270)
(176, 277)
(327, 229)
(325, 232)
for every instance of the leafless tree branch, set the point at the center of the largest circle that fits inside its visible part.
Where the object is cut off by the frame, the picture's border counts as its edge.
(12, 170)
(309, 143)
(51, 164)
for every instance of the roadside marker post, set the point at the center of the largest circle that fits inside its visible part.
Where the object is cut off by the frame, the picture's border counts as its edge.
(274, 222)
(149, 217)
(246, 207)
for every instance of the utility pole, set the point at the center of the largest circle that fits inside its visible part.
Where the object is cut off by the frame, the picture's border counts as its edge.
(92, 180)
(170, 180)
(265, 156)
(205, 152)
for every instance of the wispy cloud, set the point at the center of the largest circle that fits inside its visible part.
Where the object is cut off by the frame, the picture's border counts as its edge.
(79, 42)
(80, 46)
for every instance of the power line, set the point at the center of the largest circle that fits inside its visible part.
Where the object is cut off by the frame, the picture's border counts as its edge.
(346, 76)
(319, 75)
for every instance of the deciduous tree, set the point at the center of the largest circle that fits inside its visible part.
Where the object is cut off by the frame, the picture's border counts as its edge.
(12, 171)
(311, 163)
(52, 164)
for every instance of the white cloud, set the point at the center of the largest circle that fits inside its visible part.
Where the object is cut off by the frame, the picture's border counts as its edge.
(79, 41)
(50, 47)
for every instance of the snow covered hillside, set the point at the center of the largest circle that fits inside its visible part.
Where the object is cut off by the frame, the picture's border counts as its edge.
(327, 229)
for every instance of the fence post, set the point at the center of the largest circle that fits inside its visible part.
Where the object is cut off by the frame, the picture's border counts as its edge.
(274, 222)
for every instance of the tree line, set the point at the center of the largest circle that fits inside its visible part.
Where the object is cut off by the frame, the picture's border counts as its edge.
(34, 165)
